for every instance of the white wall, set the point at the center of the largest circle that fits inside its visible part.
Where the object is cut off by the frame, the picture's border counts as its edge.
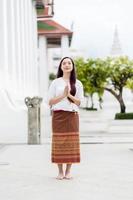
(18, 49)
(18, 67)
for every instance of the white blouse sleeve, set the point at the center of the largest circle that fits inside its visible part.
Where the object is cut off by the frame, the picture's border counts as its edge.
(52, 90)
(80, 92)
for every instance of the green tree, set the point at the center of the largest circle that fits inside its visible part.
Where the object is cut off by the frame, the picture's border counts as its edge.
(92, 73)
(81, 70)
(120, 72)
(130, 84)
(111, 74)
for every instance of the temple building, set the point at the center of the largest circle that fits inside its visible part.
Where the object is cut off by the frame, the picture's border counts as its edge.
(51, 35)
(27, 32)
(19, 73)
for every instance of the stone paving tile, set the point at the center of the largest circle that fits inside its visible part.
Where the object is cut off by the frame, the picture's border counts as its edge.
(105, 172)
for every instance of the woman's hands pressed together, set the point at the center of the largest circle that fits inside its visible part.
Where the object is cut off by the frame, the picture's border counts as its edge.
(66, 93)
(73, 98)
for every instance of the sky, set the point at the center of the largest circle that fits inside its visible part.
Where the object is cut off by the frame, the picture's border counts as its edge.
(94, 22)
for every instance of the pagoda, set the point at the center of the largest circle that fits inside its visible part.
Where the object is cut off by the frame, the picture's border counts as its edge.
(116, 49)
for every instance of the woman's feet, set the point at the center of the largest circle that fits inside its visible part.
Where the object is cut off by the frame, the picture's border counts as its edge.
(60, 176)
(67, 172)
(68, 175)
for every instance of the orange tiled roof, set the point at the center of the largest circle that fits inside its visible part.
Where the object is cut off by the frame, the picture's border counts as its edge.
(50, 27)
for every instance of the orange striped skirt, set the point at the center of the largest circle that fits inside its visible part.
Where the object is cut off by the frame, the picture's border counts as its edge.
(65, 138)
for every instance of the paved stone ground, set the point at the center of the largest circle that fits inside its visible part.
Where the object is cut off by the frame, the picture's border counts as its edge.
(105, 172)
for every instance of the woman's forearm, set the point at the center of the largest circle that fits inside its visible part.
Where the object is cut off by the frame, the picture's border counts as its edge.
(74, 99)
(56, 100)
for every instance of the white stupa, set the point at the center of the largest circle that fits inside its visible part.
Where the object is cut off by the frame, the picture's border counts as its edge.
(116, 49)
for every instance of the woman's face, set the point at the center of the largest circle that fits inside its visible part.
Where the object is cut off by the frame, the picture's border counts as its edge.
(67, 65)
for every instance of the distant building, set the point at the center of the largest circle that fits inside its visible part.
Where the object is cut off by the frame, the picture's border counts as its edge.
(116, 49)
(51, 35)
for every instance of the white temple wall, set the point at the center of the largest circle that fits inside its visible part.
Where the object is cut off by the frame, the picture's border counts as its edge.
(18, 52)
(18, 67)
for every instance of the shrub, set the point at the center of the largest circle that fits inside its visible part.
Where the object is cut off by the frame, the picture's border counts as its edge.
(90, 108)
(52, 76)
(124, 116)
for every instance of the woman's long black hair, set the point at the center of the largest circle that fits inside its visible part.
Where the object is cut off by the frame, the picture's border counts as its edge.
(72, 77)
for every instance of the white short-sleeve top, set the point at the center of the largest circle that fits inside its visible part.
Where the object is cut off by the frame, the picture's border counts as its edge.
(57, 88)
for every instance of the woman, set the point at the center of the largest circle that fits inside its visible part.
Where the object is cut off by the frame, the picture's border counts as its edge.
(65, 96)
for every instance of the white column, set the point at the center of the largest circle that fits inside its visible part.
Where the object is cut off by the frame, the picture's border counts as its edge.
(43, 67)
(31, 59)
(64, 45)
(18, 47)
(33, 50)
(50, 60)
(35, 78)
(22, 47)
(17, 38)
(27, 41)
(9, 43)
(13, 41)
(27, 48)
(3, 44)
(31, 72)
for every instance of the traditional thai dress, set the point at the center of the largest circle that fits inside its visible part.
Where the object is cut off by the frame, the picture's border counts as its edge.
(65, 124)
